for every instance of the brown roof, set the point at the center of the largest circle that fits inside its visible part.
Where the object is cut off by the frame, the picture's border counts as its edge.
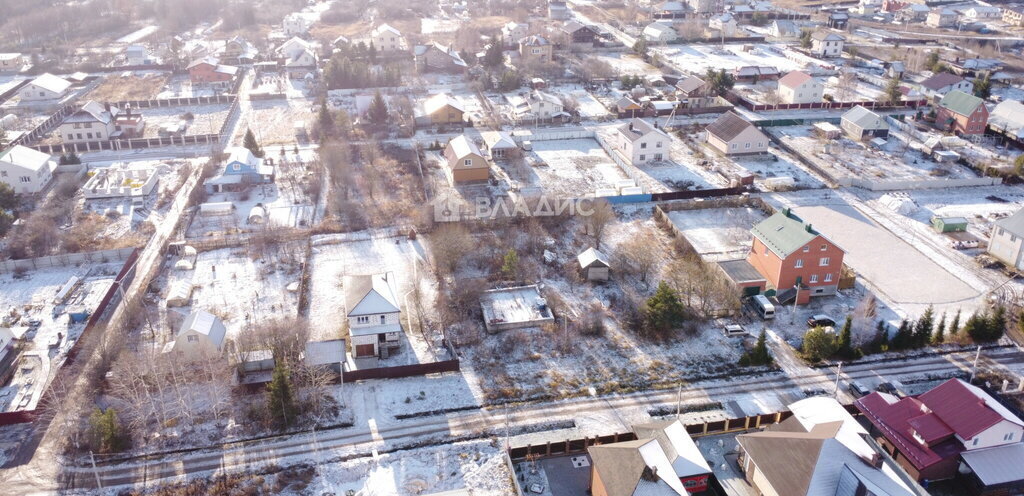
(619, 465)
(941, 80)
(690, 84)
(728, 126)
(794, 79)
(787, 456)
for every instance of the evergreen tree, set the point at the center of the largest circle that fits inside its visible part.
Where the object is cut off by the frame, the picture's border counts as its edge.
(510, 264)
(105, 433)
(805, 38)
(954, 327)
(940, 331)
(818, 344)
(759, 355)
(720, 81)
(924, 327)
(846, 338)
(932, 62)
(509, 81)
(881, 342)
(325, 121)
(372, 53)
(640, 47)
(249, 141)
(494, 56)
(983, 87)
(663, 312)
(378, 111)
(892, 94)
(280, 401)
(995, 325)
(904, 336)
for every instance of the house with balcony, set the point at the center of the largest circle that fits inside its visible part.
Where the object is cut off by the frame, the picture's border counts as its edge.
(374, 314)
(640, 142)
(796, 260)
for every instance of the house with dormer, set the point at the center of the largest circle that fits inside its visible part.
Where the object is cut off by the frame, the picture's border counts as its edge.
(241, 170)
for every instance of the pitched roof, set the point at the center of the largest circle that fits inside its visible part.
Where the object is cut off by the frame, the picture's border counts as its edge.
(688, 84)
(377, 31)
(1008, 116)
(784, 234)
(728, 126)
(242, 155)
(534, 40)
(205, 323)
(638, 128)
(790, 474)
(25, 157)
(892, 415)
(967, 410)
(635, 467)
(794, 79)
(960, 102)
(997, 465)
(211, 60)
(1013, 223)
(592, 257)
(439, 101)
(93, 111)
(49, 82)
(462, 146)
(865, 119)
(826, 36)
(678, 446)
(370, 294)
(498, 140)
(941, 80)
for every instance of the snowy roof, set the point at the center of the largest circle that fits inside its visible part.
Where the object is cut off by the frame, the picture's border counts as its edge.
(659, 28)
(1008, 116)
(293, 46)
(679, 448)
(211, 60)
(671, 7)
(462, 146)
(635, 467)
(592, 256)
(204, 323)
(25, 157)
(52, 83)
(865, 119)
(826, 36)
(447, 50)
(997, 465)
(242, 155)
(371, 294)
(439, 101)
(690, 83)
(638, 128)
(325, 352)
(498, 140)
(379, 30)
(534, 40)
(794, 79)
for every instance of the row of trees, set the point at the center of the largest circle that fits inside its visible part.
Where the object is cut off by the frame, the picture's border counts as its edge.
(345, 73)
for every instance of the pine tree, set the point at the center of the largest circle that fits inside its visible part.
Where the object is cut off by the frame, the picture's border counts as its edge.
(954, 327)
(881, 336)
(983, 87)
(325, 120)
(759, 355)
(494, 56)
(904, 336)
(510, 264)
(105, 431)
(892, 94)
(996, 325)
(664, 311)
(924, 327)
(940, 331)
(378, 110)
(249, 141)
(846, 338)
(280, 401)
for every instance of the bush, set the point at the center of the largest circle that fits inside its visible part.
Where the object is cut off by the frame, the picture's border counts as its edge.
(819, 344)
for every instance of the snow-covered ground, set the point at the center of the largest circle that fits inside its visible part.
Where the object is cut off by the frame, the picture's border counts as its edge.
(573, 168)
(699, 58)
(718, 233)
(589, 107)
(626, 63)
(432, 26)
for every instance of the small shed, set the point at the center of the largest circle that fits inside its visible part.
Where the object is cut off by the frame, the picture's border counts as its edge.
(949, 224)
(594, 265)
(180, 294)
(328, 354)
(183, 264)
(827, 130)
(257, 215)
(944, 156)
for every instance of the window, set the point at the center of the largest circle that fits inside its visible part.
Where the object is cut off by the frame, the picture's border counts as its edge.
(824, 247)
(383, 319)
(828, 277)
(807, 249)
(78, 125)
(25, 179)
(88, 135)
(1008, 436)
(79, 135)
(766, 251)
(236, 167)
(824, 262)
(657, 145)
(657, 156)
(813, 279)
(88, 125)
(643, 157)
(537, 51)
(363, 319)
(760, 144)
(468, 162)
(193, 339)
(733, 146)
(975, 442)
(799, 263)
(42, 94)
(746, 145)
(643, 145)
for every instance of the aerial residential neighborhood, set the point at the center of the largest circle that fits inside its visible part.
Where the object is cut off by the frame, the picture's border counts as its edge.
(512, 248)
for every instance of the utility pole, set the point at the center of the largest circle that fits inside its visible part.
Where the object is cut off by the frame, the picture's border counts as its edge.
(974, 367)
(839, 373)
(679, 399)
(796, 297)
(95, 472)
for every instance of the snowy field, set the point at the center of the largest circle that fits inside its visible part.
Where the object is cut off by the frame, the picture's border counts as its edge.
(32, 298)
(432, 26)
(182, 87)
(274, 122)
(364, 253)
(627, 63)
(778, 164)
(589, 107)
(718, 233)
(208, 118)
(240, 288)
(574, 168)
(699, 58)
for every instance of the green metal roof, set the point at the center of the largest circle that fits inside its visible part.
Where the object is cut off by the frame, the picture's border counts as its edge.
(784, 233)
(961, 102)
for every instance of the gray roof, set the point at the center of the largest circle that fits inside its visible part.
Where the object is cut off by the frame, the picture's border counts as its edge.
(49, 82)
(690, 83)
(370, 294)
(865, 119)
(997, 465)
(638, 128)
(827, 36)
(205, 323)
(740, 270)
(728, 126)
(462, 146)
(1008, 117)
(1013, 223)
(325, 352)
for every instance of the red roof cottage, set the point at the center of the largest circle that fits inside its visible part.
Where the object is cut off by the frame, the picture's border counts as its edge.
(930, 434)
(795, 259)
(961, 113)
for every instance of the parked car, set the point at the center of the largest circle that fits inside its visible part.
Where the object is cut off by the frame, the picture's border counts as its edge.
(821, 320)
(859, 389)
(886, 387)
(734, 330)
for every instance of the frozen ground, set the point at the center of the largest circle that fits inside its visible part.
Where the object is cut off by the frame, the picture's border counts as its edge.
(432, 26)
(778, 164)
(718, 233)
(699, 58)
(574, 168)
(274, 121)
(627, 63)
(589, 107)
(362, 253)
(182, 87)
(208, 118)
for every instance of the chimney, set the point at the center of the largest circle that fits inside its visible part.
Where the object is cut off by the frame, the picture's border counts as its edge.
(809, 228)
(875, 460)
(630, 125)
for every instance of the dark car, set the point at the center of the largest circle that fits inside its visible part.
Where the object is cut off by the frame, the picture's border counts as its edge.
(821, 320)
(859, 389)
(886, 387)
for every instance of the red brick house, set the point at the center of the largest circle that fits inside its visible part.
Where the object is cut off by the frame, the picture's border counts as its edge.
(209, 70)
(961, 113)
(796, 260)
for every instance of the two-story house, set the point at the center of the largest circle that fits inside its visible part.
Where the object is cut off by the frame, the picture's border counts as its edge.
(961, 113)
(93, 122)
(929, 435)
(296, 24)
(826, 44)
(44, 87)
(941, 17)
(800, 87)
(238, 50)
(25, 170)
(387, 39)
(580, 35)
(536, 106)
(435, 57)
(1007, 240)
(535, 49)
(241, 170)
(723, 25)
(662, 461)
(795, 259)
(374, 315)
(640, 142)
(513, 31)
(11, 62)
(209, 70)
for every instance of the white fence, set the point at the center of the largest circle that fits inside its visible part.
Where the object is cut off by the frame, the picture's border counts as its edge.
(102, 256)
(890, 185)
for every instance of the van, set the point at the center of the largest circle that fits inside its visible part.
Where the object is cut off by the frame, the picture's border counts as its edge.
(764, 307)
(734, 330)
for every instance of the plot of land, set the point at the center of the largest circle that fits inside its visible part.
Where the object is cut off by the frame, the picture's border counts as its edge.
(573, 168)
(718, 233)
(627, 63)
(207, 119)
(134, 87)
(700, 58)
(275, 122)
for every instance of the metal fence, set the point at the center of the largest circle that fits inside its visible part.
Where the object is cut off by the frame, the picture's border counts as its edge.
(66, 259)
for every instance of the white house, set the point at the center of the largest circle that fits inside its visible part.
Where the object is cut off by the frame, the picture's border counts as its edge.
(45, 87)
(11, 62)
(512, 32)
(92, 122)
(537, 105)
(296, 24)
(1007, 241)
(371, 303)
(724, 24)
(660, 32)
(25, 170)
(387, 39)
(800, 87)
(640, 142)
(940, 84)
(826, 44)
(200, 335)
(983, 12)
(941, 18)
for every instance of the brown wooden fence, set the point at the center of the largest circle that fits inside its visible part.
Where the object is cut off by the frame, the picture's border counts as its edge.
(400, 371)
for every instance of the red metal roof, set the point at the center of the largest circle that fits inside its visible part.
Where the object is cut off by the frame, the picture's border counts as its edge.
(930, 428)
(960, 409)
(893, 419)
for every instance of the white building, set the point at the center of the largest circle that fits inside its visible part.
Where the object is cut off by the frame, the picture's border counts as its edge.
(93, 122)
(1007, 241)
(640, 142)
(660, 32)
(512, 32)
(826, 44)
(11, 62)
(296, 24)
(45, 87)
(374, 315)
(800, 87)
(25, 170)
(200, 335)
(387, 39)
(724, 24)
(537, 105)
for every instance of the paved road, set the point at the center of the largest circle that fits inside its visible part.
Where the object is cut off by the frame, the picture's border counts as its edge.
(249, 455)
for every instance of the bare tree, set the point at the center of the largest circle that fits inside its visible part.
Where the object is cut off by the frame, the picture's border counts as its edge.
(449, 243)
(846, 85)
(598, 220)
(642, 252)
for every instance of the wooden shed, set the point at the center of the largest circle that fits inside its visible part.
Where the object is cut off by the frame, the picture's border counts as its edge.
(594, 265)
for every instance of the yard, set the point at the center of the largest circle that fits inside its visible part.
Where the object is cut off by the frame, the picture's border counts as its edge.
(718, 233)
(206, 119)
(570, 168)
(699, 58)
(136, 86)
